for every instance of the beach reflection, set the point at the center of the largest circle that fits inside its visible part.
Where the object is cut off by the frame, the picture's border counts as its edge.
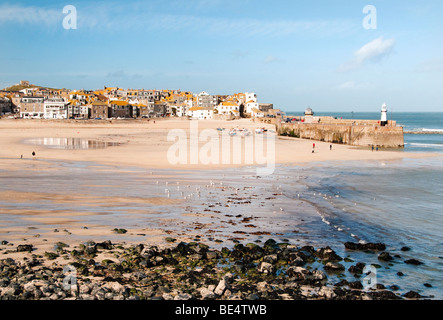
(71, 143)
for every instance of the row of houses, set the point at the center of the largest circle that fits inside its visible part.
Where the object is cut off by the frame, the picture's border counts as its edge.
(114, 102)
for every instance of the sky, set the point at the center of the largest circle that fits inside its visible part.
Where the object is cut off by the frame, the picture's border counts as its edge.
(330, 55)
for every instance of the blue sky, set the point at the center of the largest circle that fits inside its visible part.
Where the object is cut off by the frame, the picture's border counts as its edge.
(291, 53)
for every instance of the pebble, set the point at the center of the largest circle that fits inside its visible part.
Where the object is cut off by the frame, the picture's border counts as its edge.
(186, 271)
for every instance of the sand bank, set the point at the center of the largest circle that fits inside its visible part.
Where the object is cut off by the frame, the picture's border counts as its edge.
(145, 144)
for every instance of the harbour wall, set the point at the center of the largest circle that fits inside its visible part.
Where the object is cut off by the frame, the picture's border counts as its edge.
(352, 134)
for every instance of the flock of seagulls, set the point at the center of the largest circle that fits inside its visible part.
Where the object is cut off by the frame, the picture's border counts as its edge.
(187, 193)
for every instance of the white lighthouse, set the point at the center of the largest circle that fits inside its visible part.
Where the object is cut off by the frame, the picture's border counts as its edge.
(384, 115)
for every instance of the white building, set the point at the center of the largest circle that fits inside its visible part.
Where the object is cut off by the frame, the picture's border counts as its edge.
(55, 108)
(201, 113)
(250, 105)
(250, 96)
(227, 108)
(257, 113)
(181, 110)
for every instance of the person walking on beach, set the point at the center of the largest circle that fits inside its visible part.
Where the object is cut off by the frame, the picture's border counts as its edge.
(373, 148)
(33, 154)
(330, 147)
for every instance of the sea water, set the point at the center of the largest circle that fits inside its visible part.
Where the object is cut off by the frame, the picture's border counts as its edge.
(399, 203)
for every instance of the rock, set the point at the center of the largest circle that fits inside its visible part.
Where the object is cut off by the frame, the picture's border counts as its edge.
(211, 287)
(383, 295)
(405, 249)
(168, 296)
(318, 275)
(365, 246)
(263, 286)
(355, 285)
(206, 293)
(29, 287)
(385, 256)
(427, 285)
(327, 293)
(265, 267)
(253, 296)
(327, 254)
(183, 296)
(221, 287)
(412, 295)
(400, 274)
(11, 290)
(358, 268)
(84, 289)
(298, 272)
(331, 266)
(90, 250)
(414, 262)
(51, 255)
(105, 245)
(24, 247)
(86, 297)
(114, 286)
(270, 258)
(211, 255)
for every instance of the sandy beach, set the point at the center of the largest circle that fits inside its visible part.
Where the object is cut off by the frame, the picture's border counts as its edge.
(145, 144)
(130, 193)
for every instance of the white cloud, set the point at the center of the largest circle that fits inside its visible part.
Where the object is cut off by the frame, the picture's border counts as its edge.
(29, 15)
(120, 17)
(371, 52)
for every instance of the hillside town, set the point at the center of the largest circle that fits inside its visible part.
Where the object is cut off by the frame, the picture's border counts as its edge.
(27, 101)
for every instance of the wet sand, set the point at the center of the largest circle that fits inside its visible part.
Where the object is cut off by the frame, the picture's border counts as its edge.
(90, 192)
